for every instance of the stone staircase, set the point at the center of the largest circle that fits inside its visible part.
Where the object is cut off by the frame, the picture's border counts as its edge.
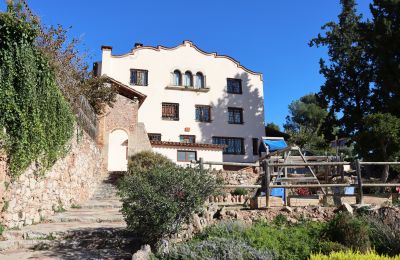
(94, 230)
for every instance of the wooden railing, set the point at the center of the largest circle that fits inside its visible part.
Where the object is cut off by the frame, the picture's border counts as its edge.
(266, 184)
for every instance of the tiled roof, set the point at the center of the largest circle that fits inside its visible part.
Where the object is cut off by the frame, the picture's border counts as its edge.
(194, 145)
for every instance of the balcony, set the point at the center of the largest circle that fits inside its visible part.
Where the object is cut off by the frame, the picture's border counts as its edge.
(186, 88)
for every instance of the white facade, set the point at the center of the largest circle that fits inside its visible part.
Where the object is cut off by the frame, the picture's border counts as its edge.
(214, 155)
(161, 62)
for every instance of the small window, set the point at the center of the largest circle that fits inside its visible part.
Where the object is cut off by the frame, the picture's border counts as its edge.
(154, 137)
(188, 79)
(235, 115)
(177, 78)
(186, 156)
(170, 111)
(234, 145)
(199, 80)
(255, 146)
(203, 113)
(234, 86)
(139, 77)
(187, 139)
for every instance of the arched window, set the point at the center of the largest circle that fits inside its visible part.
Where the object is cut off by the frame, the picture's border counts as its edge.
(199, 80)
(177, 78)
(188, 79)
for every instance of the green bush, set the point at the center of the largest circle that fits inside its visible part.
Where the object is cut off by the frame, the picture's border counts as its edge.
(156, 202)
(347, 255)
(385, 237)
(147, 160)
(37, 119)
(283, 241)
(350, 231)
(239, 191)
(216, 248)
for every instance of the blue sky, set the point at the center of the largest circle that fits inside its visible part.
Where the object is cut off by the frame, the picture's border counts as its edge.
(267, 36)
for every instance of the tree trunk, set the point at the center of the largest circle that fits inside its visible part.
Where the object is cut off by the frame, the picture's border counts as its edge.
(385, 173)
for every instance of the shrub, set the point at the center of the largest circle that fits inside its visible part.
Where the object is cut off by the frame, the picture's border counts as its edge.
(284, 241)
(350, 255)
(217, 248)
(156, 202)
(147, 160)
(350, 231)
(239, 191)
(385, 238)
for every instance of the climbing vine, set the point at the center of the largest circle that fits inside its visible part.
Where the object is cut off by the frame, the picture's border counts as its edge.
(34, 116)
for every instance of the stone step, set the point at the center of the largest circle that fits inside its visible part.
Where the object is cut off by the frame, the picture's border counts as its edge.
(102, 204)
(21, 244)
(89, 215)
(56, 230)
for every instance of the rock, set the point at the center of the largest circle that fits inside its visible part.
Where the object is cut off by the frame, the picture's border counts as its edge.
(345, 207)
(143, 253)
(287, 209)
(196, 223)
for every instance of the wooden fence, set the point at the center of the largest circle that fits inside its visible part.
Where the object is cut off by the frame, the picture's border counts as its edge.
(266, 184)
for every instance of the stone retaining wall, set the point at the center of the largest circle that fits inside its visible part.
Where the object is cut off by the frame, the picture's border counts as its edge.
(237, 177)
(33, 197)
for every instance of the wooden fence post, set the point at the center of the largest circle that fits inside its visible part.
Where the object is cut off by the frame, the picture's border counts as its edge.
(267, 181)
(201, 163)
(360, 199)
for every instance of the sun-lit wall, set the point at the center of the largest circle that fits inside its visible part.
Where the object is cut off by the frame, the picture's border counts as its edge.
(162, 62)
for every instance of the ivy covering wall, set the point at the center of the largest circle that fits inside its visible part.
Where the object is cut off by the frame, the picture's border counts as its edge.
(37, 120)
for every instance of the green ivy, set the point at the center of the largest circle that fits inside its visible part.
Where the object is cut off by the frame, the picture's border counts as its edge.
(37, 119)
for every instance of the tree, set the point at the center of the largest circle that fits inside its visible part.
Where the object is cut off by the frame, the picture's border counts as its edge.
(348, 74)
(363, 76)
(381, 139)
(70, 66)
(304, 123)
(273, 126)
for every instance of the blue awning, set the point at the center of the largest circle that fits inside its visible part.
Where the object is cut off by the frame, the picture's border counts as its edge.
(275, 144)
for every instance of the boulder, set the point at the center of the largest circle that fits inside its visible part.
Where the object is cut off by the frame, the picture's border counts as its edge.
(143, 253)
(345, 207)
(287, 209)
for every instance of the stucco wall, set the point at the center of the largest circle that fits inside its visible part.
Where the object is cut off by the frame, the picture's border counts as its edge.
(207, 155)
(161, 63)
(72, 179)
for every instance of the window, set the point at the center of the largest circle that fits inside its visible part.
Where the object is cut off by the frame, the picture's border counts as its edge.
(235, 115)
(139, 77)
(203, 113)
(170, 111)
(187, 139)
(154, 137)
(234, 86)
(177, 78)
(199, 80)
(188, 79)
(234, 145)
(255, 146)
(186, 156)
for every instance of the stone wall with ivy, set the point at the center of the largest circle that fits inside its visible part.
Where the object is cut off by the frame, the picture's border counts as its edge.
(35, 120)
(34, 196)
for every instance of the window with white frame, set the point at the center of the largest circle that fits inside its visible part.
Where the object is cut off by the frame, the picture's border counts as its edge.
(188, 79)
(199, 80)
(177, 78)
(139, 77)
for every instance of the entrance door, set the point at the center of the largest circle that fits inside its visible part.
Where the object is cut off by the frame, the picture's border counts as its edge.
(118, 151)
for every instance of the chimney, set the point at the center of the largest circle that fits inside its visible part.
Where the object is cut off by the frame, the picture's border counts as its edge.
(138, 45)
(105, 47)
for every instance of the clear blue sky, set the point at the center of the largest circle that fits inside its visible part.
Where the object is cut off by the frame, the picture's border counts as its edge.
(267, 36)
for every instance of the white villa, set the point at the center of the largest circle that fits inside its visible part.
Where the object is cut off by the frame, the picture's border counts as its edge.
(197, 104)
